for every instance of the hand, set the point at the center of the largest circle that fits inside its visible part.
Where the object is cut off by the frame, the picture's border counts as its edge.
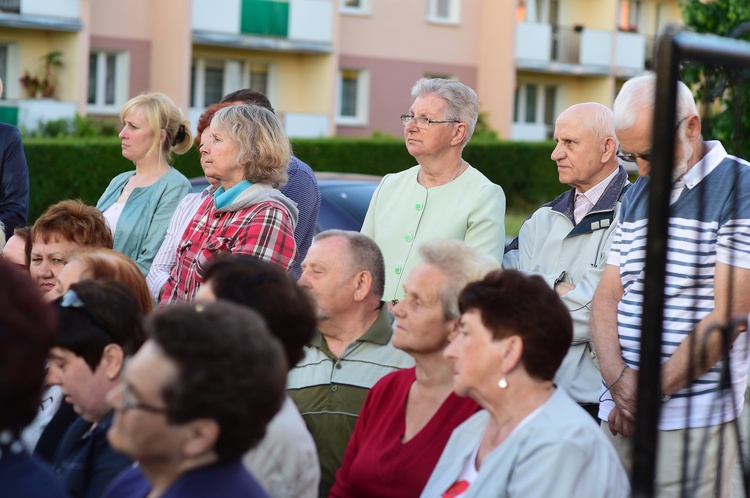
(619, 423)
(563, 288)
(624, 393)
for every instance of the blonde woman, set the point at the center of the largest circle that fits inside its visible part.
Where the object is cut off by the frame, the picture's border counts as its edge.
(139, 204)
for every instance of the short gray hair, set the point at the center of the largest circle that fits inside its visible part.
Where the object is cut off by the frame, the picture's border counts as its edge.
(365, 255)
(463, 103)
(263, 148)
(639, 93)
(461, 264)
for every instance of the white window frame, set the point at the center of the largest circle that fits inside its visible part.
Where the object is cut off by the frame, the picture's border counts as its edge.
(541, 103)
(364, 8)
(122, 82)
(362, 114)
(236, 76)
(454, 14)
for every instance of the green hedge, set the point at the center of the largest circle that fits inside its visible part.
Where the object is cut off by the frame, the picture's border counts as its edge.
(82, 168)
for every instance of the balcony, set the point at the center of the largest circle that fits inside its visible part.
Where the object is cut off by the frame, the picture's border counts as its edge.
(577, 50)
(55, 15)
(290, 26)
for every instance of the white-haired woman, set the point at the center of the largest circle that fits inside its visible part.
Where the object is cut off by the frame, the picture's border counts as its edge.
(248, 152)
(408, 415)
(442, 197)
(139, 204)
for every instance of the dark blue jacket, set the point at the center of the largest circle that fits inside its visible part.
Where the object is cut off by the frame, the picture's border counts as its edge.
(14, 180)
(23, 476)
(84, 461)
(220, 480)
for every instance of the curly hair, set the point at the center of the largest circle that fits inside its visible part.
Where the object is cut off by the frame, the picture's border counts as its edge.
(162, 114)
(73, 221)
(102, 263)
(27, 331)
(263, 149)
(230, 370)
(267, 289)
(110, 315)
(511, 303)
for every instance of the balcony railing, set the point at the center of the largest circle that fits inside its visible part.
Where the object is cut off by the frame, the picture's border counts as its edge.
(11, 6)
(566, 44)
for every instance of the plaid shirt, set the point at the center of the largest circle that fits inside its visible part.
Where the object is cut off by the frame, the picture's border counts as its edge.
(264, 230)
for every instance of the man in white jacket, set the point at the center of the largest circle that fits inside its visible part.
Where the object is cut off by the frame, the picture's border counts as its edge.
(566, 241)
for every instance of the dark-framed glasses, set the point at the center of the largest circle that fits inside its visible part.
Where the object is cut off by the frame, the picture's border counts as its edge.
(129, 402)
(424, 122)
(646, 156)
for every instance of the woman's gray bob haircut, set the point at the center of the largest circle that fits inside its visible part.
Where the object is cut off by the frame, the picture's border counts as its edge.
(459, 262)
(463, 104)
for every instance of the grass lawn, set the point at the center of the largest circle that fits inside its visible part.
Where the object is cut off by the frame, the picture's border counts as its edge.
(514, 218)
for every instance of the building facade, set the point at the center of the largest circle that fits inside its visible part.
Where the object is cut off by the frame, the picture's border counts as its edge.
(329, 67)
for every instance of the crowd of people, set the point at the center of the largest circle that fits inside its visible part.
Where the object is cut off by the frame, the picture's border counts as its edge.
(173, 344)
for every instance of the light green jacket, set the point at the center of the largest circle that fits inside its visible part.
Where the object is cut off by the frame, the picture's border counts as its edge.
(145, 217)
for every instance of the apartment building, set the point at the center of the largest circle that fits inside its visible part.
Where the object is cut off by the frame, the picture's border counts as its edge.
(330, 67)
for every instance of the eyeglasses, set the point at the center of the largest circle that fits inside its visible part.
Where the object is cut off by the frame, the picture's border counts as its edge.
(130, 403)
(424, 122)
(631, 158)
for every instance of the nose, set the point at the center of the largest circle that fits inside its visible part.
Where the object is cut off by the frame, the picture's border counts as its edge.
(557, 153)
(122, 133)
(45, 269)
(398, 309)
(304, 280)
(450, 351)
(53, 375)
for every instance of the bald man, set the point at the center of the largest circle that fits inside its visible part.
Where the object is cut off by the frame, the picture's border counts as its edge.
(566, 241)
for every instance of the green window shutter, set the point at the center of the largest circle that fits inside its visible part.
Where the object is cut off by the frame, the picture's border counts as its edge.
(9, 115)
(265, 17)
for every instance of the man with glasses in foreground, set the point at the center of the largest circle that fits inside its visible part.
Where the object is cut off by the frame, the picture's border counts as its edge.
(442, 197)
(566, 241)
(707, 283)
(194, 399)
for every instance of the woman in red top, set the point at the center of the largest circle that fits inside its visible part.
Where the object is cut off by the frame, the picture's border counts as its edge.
(409, 415)
(248, 152)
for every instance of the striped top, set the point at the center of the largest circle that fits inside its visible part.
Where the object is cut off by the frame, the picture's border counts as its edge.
(330, 391)
(709, 222)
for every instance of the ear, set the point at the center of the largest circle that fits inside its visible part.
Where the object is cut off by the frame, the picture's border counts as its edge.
(112, 360)
(693, 127)
(511, 356)
(162, 135)
(609, 149)
(459, 132)
(200, 438)
(362, 285)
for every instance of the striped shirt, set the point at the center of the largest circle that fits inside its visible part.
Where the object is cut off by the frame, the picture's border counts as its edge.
(166, 258)
(330, 391)
(709, 222)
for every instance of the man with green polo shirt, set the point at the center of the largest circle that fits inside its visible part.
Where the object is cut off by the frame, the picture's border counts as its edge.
(344, 275)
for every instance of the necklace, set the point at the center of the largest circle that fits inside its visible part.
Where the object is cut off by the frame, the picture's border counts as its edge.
(458, 172)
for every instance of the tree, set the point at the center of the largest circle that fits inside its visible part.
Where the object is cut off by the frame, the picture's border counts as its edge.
(726, 93)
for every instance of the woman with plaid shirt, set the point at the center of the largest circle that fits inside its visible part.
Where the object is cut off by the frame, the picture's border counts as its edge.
(247, 151)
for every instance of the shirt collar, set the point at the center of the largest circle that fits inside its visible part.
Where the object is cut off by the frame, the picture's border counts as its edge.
(715, 155)
(595, 193)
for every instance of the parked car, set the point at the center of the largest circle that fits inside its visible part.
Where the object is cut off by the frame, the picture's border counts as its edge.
(345, 198)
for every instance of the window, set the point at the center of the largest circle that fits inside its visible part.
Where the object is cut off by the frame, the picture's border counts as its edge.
(354, 89)
(107, 82)
(3, 67)
(629, 13)
(211, 79)
(361, 7)
(444, 11)
(536, 104)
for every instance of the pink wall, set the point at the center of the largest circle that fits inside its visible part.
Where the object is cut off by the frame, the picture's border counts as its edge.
(140, 59)
(390, 89)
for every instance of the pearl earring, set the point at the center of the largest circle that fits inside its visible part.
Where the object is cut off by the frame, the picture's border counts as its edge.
(502, 384)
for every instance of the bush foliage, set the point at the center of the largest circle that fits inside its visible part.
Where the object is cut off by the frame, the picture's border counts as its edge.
(82, 168)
